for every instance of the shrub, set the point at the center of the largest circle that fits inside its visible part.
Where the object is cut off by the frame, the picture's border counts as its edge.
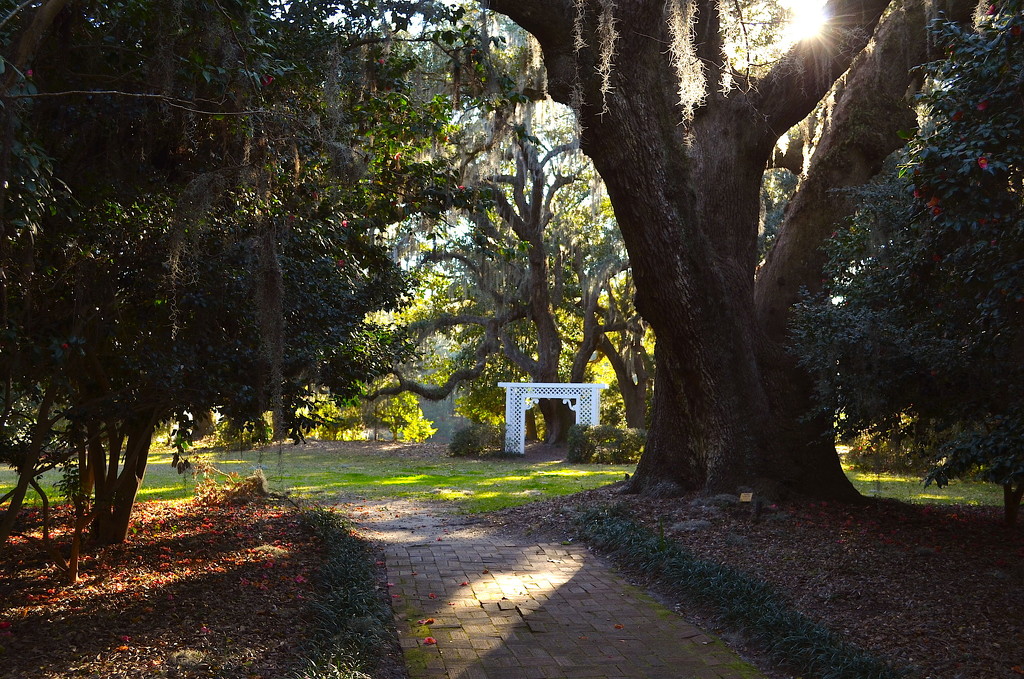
(477, 439)
(336, 423)
(892, 455)
(605, 444)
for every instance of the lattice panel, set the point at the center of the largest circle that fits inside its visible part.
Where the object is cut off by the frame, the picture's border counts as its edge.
(584, 399)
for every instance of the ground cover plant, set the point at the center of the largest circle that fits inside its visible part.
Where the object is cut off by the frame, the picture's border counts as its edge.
(931, 590)
(744, 603)
(202, 590)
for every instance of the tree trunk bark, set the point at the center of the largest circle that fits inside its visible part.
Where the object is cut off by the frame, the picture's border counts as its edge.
(27, 465)
(684, 181)
(1011, 502)
(558, 418)
(114, 515)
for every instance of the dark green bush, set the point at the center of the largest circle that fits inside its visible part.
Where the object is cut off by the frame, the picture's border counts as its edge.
(605, 444)
(477, 439)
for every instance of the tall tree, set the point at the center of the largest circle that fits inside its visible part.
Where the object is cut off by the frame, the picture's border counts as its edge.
(533, 271)
(681, 135)
(190, 199)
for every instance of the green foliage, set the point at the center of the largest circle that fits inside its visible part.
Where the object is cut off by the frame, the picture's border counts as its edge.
(204, 224)
(404, 417)
(351, 621)
(880, 454)
(334, 422)
(754, 608)
(916, 341)
(482, 400)
(605, 444)
(477, 440)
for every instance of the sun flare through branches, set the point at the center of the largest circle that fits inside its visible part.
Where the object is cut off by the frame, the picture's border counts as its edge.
(806, 19)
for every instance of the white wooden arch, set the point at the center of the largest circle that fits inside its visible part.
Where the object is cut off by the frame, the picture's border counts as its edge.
(582, 398)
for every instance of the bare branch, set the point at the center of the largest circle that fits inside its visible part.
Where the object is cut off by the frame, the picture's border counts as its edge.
(170, 101)
(15, 11)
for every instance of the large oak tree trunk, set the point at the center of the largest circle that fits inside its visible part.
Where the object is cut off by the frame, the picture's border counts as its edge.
(859, 128)
(686, 196)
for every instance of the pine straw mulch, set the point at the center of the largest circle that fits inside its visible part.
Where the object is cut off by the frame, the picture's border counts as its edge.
(197, 591)
(937, 590)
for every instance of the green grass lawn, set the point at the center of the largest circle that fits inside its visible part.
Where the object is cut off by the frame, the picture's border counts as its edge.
(473, 485)
(911, 489)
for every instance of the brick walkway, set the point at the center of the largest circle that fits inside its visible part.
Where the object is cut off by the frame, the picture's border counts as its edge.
(503, 608)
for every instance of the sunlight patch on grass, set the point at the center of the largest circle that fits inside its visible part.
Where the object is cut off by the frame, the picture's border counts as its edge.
(909, 488)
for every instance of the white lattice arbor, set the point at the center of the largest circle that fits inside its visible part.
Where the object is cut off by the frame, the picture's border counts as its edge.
(584, 399)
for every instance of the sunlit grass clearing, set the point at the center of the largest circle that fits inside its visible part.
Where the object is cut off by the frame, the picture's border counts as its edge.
(473, 485)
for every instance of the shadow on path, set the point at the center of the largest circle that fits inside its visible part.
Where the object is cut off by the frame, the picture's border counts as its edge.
(500, 607)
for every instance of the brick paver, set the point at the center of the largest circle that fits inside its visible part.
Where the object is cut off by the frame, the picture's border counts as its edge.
(505, 608)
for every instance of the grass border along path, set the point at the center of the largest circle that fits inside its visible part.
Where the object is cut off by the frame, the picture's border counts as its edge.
(352, 626)
(745, 605)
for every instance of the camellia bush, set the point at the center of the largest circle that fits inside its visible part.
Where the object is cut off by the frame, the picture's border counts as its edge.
(919, 337)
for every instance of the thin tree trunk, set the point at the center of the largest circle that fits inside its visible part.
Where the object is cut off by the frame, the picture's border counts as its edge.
(27, 465)
(1012, 495)
(634, 395)
(114, 505)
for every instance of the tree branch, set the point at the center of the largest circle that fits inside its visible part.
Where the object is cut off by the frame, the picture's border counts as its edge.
(798, 82)
(488, 346)
(182, 104)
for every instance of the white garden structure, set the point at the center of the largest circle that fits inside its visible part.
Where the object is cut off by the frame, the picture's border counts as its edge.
(582, 398)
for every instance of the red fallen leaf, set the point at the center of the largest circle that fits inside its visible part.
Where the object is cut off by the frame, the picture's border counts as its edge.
(1018, 669)
(432, 595)
(463, 583)
(425, 621)
(5, 624)
(430, 641)
(619, 626)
